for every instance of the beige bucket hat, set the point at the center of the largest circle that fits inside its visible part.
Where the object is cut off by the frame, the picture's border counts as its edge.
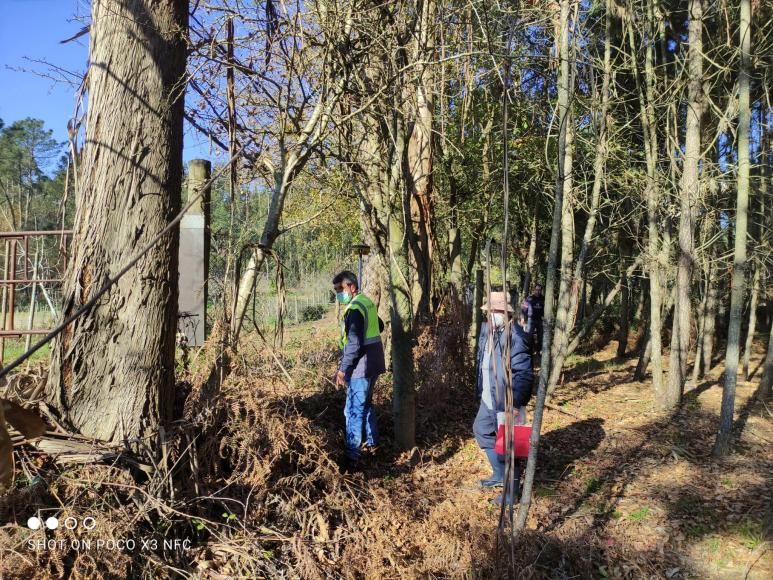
(498, 301)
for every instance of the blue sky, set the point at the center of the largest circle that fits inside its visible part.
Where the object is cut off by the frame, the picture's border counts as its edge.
(32, 30)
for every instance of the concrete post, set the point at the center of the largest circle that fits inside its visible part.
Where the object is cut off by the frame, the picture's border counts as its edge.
(194, 257)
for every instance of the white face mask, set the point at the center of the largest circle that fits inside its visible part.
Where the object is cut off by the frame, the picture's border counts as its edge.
(499, 319)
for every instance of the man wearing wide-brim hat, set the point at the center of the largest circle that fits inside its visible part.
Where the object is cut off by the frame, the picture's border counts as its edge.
(491, 375)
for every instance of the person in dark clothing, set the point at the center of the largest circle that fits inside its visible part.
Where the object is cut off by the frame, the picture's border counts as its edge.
(362, 361)
(491, 376)
(535, 302)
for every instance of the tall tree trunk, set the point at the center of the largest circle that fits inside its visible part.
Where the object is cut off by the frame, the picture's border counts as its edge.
(112, 370)
(766, 383)
(374, 220)
(641, 302)
(564, 117)
(644, 358)
(455, 268)
(528, 276)
(588, 323)
(419, 160)
(747, 351)
(456, 273)
(625, 297)
(709, 321)
(655, 248)
(722, 313)
(641, 367)
(583, 312)
(293, 162)
(707, 228)
(565, 286)
(738, 292)
(698, 360)
(402, 311)
(569, 291)
(677, 371)
(477, 313)
(472, 259)
(231, 277)
(479, 233)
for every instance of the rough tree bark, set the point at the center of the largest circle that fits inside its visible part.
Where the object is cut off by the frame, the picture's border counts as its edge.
(383, 183)
(419, 160)
(625, 296)
(644, 357)
(738, 292)
(706, 229)
(569, 291)
(564, 90)
(369, 175)
(646, 92)
(477, 315)
(566, 287)
(641, 302)
(766, 383)
(455, 274)
(698, 359)
(747, 351)
(677, 371)
(112, 370)
(528, 275)
(402, 311)
(709, 321)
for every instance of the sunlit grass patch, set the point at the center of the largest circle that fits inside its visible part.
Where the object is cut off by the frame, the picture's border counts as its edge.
(713, 545)
(729, 482)
(14, 348)
(750, 532)
(640, 514)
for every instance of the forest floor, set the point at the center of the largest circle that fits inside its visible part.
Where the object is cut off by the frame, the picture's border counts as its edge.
(622, 491)
(634, 491)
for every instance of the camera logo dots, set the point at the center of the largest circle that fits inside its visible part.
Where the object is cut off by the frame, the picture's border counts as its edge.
(33, 523)
(70, 523)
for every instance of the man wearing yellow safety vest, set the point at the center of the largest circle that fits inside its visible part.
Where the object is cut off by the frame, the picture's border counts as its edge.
(362, 362)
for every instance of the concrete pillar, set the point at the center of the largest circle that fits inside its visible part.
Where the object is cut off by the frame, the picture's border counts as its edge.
(194, 257)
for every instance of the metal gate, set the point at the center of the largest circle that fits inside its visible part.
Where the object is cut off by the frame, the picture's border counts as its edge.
(21, 269)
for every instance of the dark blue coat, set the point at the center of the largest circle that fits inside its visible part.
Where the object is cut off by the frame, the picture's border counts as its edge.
(537, 306)
(358, 359)
(520, 363)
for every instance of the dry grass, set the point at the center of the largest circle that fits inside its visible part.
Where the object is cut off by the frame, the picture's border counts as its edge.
(623, 492)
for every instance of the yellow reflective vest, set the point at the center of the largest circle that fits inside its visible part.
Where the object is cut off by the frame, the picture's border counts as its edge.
(364, 306)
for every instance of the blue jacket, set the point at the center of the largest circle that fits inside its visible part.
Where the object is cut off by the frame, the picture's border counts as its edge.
(360, 360)
(520, 363)
(537, 306)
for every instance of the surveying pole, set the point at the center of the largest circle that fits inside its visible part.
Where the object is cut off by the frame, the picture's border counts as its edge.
(362, 250)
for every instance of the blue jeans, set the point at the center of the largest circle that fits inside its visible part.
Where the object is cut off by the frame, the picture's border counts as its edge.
(485, 427)
(360, 417)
